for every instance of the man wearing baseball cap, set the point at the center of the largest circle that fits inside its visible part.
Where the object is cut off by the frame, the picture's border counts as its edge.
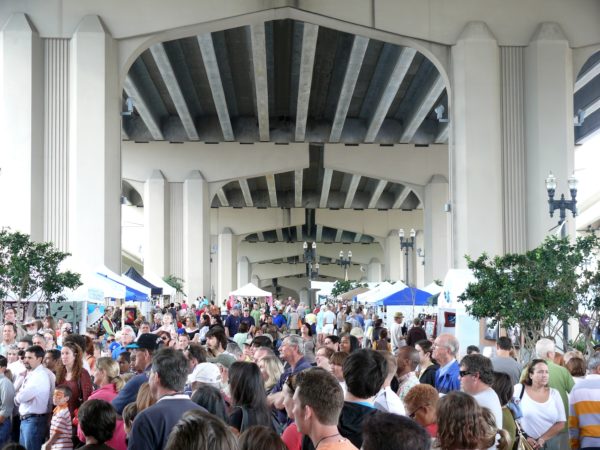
(142, 350)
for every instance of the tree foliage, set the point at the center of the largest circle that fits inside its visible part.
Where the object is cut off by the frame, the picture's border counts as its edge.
(175, 282)
(538, 289)
(341, 287)
(30, 269)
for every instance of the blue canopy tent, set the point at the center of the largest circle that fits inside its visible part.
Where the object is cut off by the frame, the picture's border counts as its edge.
(135, 276)
(131, 293)
(405, 298)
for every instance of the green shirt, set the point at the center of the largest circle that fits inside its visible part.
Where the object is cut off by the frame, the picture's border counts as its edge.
(255, 313)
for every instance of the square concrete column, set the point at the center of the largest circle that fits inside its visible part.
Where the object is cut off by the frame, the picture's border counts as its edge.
(549, 139)
(21, 127)
(225, 270)
(436, 230)
(196, 235)
(243, 271)
(394, 259)
(476, 157)
(94, 148)
(156, 225)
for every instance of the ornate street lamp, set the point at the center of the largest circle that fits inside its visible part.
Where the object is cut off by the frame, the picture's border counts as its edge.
(345, 262)
(562, 204)
(406, 244)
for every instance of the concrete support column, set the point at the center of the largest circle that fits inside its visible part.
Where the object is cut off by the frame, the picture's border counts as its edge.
(374, 271)
(225, 273)
(548, 125)
(156, 225)
(94, 148)
(255, 280)
(476, 156)
(394, 263)
(436, 237)
(243, 271)
(417, 261)
(21, 127)
(196, 236)
(304, 296)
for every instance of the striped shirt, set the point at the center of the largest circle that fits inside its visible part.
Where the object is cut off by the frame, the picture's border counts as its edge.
(584, 413)
(63, 426)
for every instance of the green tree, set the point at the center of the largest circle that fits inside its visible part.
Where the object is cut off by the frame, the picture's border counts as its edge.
(341, 287)
(175, 282)
(538, 289)
(30, 269)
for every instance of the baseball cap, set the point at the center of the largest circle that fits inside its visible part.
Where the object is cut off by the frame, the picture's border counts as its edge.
(207, 373)
(225, 360)
(357, 332)
(148, 341)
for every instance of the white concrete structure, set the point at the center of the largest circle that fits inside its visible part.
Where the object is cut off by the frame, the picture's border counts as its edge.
(232, 183)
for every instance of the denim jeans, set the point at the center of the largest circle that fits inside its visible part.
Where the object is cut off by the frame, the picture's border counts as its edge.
(5, 432)
(33, 432)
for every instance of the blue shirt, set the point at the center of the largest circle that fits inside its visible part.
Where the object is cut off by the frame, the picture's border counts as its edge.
(447, 378)
(129, 392)
(279, 320)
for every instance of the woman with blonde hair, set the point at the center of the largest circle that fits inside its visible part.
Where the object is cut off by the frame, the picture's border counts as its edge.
(144, 398)
(271, 370)
(109, 382)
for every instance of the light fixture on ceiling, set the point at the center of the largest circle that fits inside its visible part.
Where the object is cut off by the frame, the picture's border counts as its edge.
(439, 112)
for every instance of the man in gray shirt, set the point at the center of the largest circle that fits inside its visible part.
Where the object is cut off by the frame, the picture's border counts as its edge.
(7, 402)
(503, 362)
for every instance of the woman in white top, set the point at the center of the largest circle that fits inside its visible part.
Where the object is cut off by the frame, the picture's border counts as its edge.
(542, 407)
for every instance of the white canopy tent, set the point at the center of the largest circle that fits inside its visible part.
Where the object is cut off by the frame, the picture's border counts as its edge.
(250, 290)
(432, 288)
(126, 281)
(159, 282)
(365, 296)
(386, 291)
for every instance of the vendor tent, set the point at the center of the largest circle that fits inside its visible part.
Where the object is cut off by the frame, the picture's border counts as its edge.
(365, 296)
(384, 292)
(134, 291)
(346, 296)
(407, 296)
(135, 276)
(158, 281)
(250, 290)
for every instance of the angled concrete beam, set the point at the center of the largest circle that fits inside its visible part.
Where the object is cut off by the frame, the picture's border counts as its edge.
(148, 116)
(299, 236)
(351, 191)
(222, 197)
(359, 47)
(442, 136)
(377, 193)
(168, 74)
(272, 190)
(357, 237)
(338, 235)
(298, 179)
(319, 236)
(261, 236)
(592, 73)
(209, 57)
(420, 113)
(279, 233)
(387, 96)
(307, 60)
(259, 64)
(401, 197)
(325, 188)
(246, 192)
(591, 108)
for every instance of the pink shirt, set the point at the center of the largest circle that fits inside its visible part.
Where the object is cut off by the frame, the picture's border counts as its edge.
(108, 393)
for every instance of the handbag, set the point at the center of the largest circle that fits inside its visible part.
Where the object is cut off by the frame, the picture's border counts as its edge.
(521, 439)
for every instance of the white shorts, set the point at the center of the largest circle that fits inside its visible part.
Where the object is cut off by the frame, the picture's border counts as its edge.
(328, 329)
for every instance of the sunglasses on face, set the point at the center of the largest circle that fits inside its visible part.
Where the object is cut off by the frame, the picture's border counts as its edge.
(464, 373)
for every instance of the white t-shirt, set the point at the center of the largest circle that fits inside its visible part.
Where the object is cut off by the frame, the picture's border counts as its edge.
(388, 401)
(539, 417)
(489, 399)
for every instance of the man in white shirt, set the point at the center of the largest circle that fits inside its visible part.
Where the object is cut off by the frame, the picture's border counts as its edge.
(476, 377)
(32, 399)
(328, 320)
(398, 339)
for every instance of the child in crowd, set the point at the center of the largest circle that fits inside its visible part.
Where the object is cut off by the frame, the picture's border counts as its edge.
(61, 427)
(97, 419)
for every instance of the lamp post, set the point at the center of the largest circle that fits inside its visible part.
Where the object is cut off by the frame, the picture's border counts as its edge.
(405, 244)
(312, 266)
(345, 262)
(562, 205)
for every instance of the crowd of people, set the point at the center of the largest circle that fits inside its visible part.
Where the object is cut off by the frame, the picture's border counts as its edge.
(283, 377)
